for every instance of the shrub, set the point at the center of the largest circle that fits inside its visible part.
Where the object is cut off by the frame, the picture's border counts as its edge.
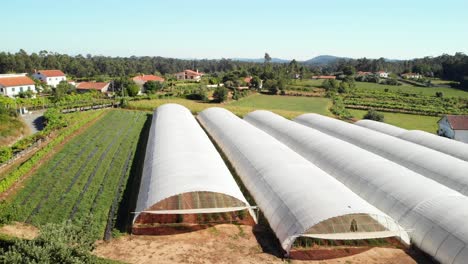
(374, 115)
(5, 154)
(220, 94)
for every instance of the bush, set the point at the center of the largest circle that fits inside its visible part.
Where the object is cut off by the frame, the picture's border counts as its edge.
(57, 243)
(5, 154)
(220, 94)
(374, 115)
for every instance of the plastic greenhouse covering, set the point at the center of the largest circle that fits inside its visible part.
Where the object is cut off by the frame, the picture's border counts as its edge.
(448, 146)
(436, 165)
(434, 215)
(183, 172)
(296, 197)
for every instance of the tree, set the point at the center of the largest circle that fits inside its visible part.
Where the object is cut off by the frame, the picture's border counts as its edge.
(153, 86)
(374, 115)
(62, 89)
(220, 94)
(255, 82)
(132, 89)
(349, 70)
(267, 57)
(271, 86)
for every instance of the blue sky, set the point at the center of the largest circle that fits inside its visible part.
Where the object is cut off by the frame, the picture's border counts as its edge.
(299, 29)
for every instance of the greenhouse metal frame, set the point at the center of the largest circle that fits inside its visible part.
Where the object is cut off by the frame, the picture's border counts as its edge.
(296, 197)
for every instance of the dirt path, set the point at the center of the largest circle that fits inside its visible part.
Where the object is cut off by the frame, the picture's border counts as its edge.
(20, 230)
(221, 244)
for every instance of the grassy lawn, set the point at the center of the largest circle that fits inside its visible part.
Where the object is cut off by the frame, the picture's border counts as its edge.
(11, 128)
(290, 103)
(287, 106)
(407, 121)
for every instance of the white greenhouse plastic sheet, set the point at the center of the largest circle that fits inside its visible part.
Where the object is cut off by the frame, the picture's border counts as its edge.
(448, 170)
(180, 158)
(434, 214)
(294, 195)
(448, 146)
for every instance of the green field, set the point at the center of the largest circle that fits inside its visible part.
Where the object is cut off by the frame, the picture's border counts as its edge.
(287, 106)
(448, 92)
(407, 121)
(289, 103)
(84, 181)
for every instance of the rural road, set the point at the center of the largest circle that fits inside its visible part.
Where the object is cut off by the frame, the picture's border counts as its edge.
(34, 120)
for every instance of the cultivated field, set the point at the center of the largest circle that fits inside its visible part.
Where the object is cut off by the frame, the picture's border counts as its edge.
(448, 92)
(85, 180)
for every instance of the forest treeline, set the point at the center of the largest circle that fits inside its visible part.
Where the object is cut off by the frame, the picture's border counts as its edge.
(449, 67)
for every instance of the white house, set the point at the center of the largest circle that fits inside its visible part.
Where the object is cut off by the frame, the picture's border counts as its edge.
(454, 127)
(12, 84)
(140, 80)
(189, 75)
(382, 74)
(92, 86)
(50, 77)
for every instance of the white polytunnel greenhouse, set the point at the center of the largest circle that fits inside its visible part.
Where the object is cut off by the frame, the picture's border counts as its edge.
(183, 172)
(448, 170)
(297, 198)
(433, 214)
(448, 146)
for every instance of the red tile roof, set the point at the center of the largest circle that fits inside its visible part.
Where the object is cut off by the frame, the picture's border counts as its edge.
(16, 81)
(146, 78)
(91, 85)
(247, 79)
(458, 122)
(194, 73)
(52, 73)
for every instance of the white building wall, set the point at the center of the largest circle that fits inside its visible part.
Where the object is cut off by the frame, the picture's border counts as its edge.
(12, 91)
(461, 135)
(51, 81)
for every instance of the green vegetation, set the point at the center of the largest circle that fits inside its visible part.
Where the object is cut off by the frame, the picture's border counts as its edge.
(11, 127)
(407, 121)
(85, 179)
(79, 119)
(289, 103)
(374, 115)
(57, 243)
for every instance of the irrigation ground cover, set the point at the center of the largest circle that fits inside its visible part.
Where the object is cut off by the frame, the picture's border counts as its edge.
(85, 179)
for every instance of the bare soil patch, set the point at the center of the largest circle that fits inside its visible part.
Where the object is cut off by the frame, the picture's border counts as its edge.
(20, 230)
(229, 243)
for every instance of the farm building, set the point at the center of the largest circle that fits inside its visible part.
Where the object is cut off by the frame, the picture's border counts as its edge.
(12, 84)
(140, 80)
(297, 198)
(442, 144)
(92, 86)
(454, 127)
(189, 75)
(434, 214)
(445, 169)
(184, 178)
(50, 77)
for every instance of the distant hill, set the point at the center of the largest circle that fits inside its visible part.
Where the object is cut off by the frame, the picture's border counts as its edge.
(323, 59)
(261, 60)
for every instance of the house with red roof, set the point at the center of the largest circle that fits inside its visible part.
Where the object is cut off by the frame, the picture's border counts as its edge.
(189, 75)
(50, 77)
(92, 86)
(12, 84)
(140, 80)
(454, 127)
